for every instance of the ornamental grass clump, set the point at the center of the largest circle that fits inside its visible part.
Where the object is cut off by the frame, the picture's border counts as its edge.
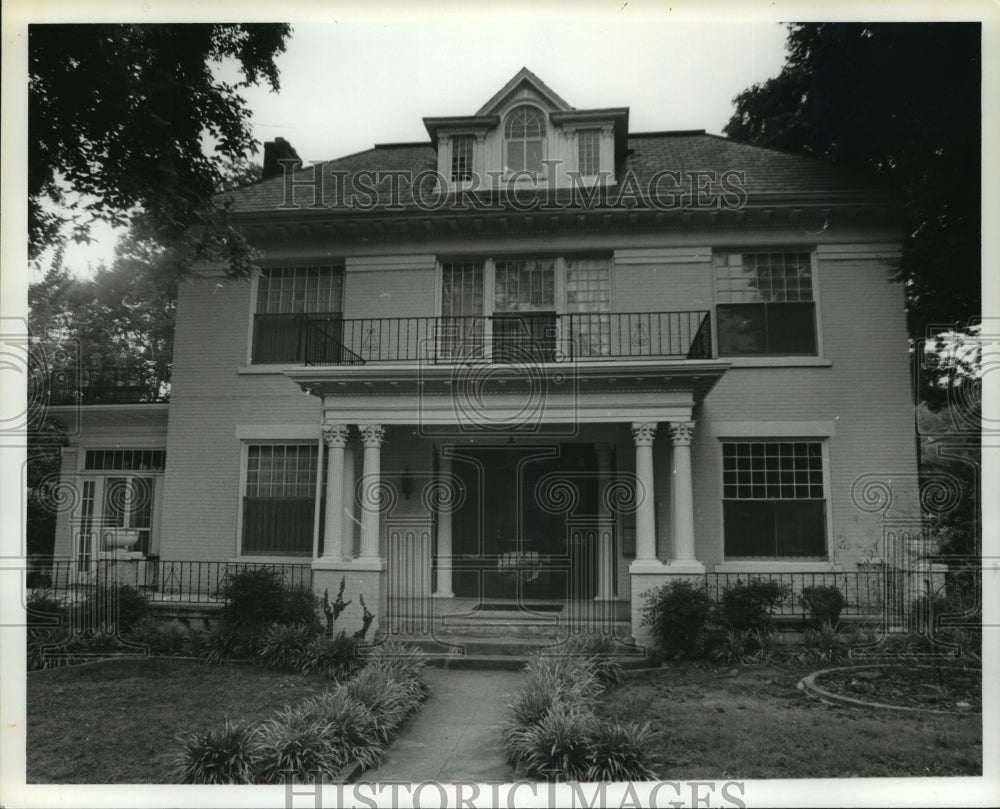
(558, 732)
(298, 744)
(217, 757)
(283, 647)
(355, 721)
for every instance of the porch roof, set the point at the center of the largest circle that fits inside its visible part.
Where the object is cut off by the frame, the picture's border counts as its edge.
(497, 397)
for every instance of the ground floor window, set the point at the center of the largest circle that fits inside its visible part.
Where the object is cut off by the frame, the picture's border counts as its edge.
(279, 501)
(774, 501)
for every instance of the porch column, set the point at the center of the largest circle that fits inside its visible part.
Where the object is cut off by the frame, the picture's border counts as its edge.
(605, 549)
(443, 589)
(335, 437)
(645, 518)
(348, 511)
(682, 505)
(371, 500)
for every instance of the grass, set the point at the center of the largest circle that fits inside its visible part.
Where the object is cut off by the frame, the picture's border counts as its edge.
(117, 721)
(756, 724)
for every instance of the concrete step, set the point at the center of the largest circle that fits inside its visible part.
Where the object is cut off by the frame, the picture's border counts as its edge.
(459, 651)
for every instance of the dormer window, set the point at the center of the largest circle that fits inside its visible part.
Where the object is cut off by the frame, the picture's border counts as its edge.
(461, 158)
(588, 152)
(524, 136)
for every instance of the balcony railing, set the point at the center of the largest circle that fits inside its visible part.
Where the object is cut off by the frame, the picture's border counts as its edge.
(117, 384)
(501, 338)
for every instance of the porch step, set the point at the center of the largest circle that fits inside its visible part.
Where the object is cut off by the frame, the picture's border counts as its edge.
(477, 652)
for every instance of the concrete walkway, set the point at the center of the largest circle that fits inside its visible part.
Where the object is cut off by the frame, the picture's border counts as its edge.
(456, 736)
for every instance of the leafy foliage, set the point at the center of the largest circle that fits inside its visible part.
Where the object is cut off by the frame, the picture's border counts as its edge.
(332, 658)
(824, 603)
(121, 115)
(296, 743)
(622, 752)
(283, 646)
(557, 731)
(217, 757)
(676, 613)
(112, 607)
(864, 95)
(747, 606)
(257, 596)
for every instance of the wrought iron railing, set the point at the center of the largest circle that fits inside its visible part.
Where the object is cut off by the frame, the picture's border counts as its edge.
(159, 579)
(504, 338)
(113, 384)
(870, 592)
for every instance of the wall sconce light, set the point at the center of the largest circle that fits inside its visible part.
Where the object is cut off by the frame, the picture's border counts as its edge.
(406, 483)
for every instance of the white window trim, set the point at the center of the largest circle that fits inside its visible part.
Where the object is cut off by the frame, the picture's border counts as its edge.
(522, 178)
(249, 366)
(777, 431)
(817, 359)
(247, 434)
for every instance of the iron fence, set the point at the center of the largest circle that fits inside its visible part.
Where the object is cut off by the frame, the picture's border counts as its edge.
(158, 579)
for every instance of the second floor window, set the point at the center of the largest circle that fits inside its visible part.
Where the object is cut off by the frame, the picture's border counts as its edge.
(296, 306)
(765, 303)
(524, 137)
(461, 158)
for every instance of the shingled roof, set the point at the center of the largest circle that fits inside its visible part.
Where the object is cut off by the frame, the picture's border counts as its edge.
(765, 172)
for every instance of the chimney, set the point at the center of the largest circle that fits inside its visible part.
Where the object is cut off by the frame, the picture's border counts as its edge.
(274, 151)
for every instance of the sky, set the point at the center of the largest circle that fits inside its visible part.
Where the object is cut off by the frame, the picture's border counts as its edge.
(350, 84)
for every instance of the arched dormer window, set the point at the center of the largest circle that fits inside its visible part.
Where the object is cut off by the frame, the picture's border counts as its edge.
(524, 136)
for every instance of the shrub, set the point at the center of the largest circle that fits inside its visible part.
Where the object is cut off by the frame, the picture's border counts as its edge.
(45, 610)
(676, 613)
(824, 603)
(112, 608)
(297, 743)
(622, 752)
(217, 757)
(161, 638)
(559, 746)
(284, 646)
(747, 606)
(258, 596)
(332, 658)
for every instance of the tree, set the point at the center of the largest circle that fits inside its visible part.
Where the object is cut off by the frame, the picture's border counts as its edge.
(901, 101)
(119, 117)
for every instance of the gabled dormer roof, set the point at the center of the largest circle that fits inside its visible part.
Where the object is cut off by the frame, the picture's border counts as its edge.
(522, 77)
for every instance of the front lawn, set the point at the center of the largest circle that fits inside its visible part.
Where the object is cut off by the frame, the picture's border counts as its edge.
(751, 722)
(116, 722)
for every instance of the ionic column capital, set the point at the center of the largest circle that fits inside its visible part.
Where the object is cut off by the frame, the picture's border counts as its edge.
(643, 433)
(681, 433)
(336, 435)
(372, 435)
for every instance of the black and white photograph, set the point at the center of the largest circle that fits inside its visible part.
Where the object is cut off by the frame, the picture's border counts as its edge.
(456, 405)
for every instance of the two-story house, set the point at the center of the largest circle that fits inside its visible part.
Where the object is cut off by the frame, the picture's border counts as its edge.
(538, 358)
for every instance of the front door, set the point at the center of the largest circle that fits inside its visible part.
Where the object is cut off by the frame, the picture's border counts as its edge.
(511, 536)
